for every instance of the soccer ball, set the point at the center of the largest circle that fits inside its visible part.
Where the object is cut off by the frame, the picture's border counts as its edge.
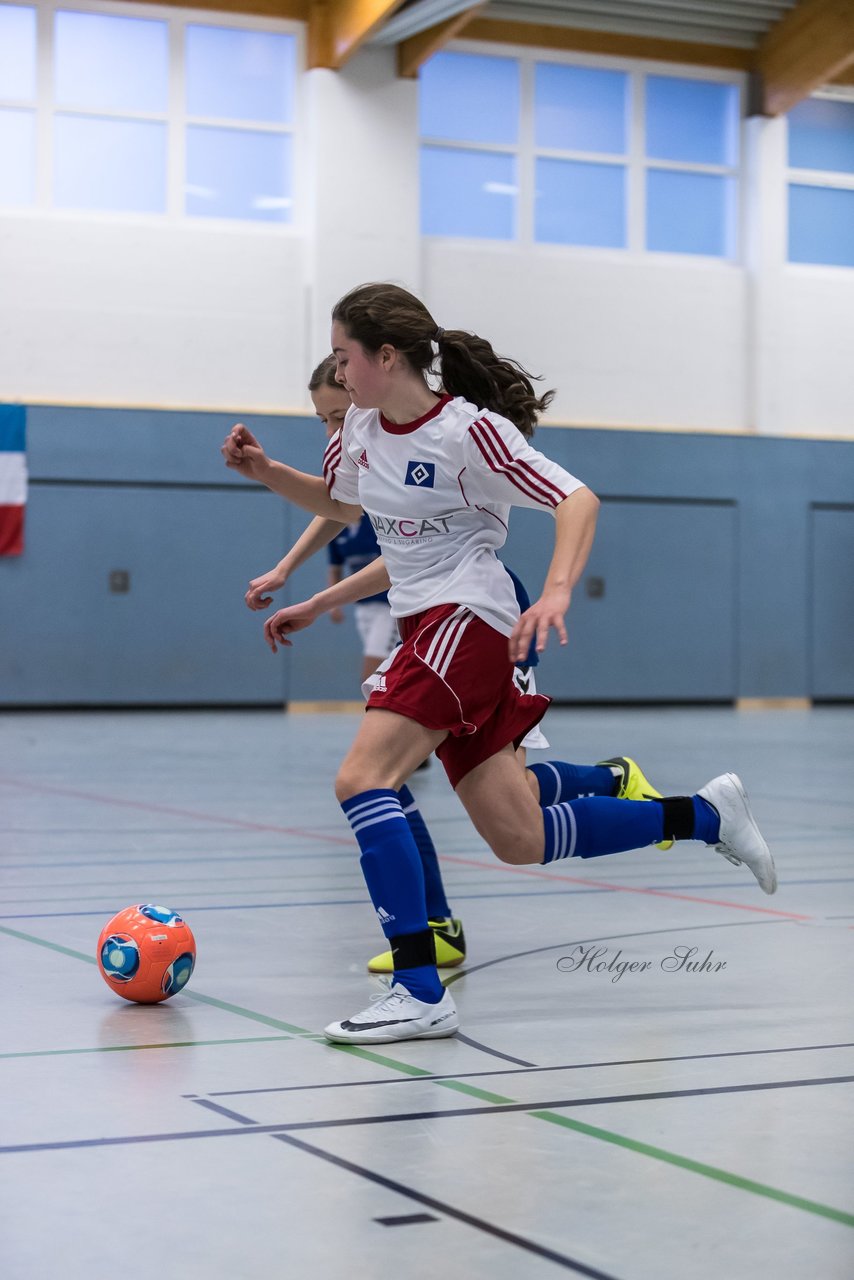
(146, 953)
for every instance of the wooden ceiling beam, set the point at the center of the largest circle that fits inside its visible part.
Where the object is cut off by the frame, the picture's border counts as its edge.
(414, 52)
(609, 42)
(810, 46)
(338, 28)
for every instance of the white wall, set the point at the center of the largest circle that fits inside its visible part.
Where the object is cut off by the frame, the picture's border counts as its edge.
(112, 312)
(363, 176)
(815, 353)
(184, 314)
(625, 341)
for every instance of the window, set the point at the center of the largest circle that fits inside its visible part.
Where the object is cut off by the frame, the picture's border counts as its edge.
(110, 88)
(146, 115)
(821, 182)
(469, 99)
(17, 105)
(241, 89)
(581, 132)
(691, 157)
(553, 153)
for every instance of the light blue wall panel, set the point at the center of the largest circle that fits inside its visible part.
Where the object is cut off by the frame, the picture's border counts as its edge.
(178, 635)
(716, 570)
(832, 614)
(664, 626)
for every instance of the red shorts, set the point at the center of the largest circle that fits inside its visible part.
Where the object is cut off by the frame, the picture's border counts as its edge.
(453, 672)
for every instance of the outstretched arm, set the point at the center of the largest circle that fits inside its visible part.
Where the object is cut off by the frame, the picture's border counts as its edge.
(317, 535)
(369, 581)
(575, 521)
(244, 454)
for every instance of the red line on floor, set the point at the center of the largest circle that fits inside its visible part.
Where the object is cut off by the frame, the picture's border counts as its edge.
(619, 888)
(344, 840)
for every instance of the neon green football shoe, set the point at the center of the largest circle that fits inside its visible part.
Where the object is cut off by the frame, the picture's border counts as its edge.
(450, 947)
(634, 785)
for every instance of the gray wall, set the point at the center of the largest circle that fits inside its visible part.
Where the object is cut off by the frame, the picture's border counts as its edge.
(723, 568)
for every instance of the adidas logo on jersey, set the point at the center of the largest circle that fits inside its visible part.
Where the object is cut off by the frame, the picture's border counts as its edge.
(379, 685)
(362, 460)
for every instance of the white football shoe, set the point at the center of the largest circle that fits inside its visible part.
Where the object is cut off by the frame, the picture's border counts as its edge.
(740, 839)
(396, 1015)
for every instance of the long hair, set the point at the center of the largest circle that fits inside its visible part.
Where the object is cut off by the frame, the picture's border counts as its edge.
(374, 314)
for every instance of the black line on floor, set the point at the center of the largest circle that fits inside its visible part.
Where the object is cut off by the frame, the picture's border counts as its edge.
(494, 1108)
(612, 937)
(223, 1111)
(494, 1053)
(532, 1070)
(406, 1219)
(479, 1224)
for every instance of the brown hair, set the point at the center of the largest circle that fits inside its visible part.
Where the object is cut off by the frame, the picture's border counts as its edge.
(374, 314)
(324, 374)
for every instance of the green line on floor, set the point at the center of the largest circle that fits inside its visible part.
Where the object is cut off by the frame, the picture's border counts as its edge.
(695, 1166)
(132, 1048)
(247, 1013)
(357, 1051)
(551, 1117)
(52, 946)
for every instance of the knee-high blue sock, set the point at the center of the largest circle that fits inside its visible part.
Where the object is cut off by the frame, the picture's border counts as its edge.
(560, 781)
(593, 826)
(392, 870)
(597, 825)
(434, 889)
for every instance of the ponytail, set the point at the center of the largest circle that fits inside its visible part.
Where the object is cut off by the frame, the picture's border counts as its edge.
(375, 314)
(471, 368)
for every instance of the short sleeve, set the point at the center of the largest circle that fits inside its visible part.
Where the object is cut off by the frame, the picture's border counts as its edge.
(504, 468)
(339, 471)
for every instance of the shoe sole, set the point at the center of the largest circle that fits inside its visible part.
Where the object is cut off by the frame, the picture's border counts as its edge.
(374, 967)
(441, 1034)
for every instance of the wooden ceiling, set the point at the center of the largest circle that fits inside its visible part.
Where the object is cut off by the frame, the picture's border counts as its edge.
(789, 47)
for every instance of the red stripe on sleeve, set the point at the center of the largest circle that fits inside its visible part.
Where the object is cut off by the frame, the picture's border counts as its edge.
(532, 485)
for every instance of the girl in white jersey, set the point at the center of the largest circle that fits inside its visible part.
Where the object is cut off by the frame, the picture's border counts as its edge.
(552, 780)
(437, 474)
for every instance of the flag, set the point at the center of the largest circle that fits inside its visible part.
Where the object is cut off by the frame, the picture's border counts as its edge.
(13, 478)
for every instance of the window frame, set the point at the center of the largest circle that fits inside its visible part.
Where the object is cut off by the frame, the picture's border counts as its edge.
(175, 116)
(635, 161)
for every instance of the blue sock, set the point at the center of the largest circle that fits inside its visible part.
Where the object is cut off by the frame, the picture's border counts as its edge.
(560, 781)
(593, 826)
(392, 870)
(596, 825)
(434, 889)
(707, 822)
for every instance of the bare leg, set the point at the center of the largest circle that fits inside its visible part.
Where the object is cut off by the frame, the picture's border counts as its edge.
(503, 808)
(385, 751)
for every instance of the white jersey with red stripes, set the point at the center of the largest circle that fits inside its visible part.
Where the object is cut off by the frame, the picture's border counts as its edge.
(438, 492)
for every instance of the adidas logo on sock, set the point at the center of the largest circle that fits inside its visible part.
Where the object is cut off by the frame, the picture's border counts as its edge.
(384, 916)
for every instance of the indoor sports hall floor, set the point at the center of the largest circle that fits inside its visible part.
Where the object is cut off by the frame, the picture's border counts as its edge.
(657, 1125)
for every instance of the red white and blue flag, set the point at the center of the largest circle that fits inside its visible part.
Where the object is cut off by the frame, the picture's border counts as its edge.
(13, 478)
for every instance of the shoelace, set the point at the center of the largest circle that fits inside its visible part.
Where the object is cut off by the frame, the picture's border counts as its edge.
(385, 1001)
